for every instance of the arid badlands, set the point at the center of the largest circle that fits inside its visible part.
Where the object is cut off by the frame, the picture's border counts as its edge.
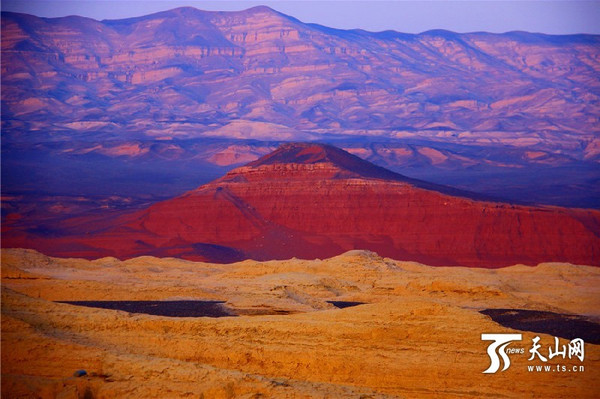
(417, 332)
(283, 178)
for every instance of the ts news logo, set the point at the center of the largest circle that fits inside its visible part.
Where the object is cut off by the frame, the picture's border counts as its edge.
(501, 341)
(498, 350)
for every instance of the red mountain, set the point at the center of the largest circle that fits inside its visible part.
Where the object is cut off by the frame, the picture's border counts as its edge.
(314, 200)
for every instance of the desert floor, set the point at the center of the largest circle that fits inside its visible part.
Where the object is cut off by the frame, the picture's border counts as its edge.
(417, 335)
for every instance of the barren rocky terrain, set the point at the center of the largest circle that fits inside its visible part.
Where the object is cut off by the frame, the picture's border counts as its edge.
(418, 333)
(159, 135)
(260, 74)
(174, 99)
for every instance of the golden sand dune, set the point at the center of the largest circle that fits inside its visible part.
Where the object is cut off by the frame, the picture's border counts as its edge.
(417, 335)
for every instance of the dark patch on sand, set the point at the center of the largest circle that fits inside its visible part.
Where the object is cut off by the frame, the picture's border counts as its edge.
(192, 308)
(558, 324)
(262, 312)
(162, 308)
(344, 304)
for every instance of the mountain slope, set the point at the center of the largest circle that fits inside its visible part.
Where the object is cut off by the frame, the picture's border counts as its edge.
(314, 200)
(195, 68)
(166, 102)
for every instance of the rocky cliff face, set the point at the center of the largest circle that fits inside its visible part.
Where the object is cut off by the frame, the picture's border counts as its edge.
(310, 200)
(190, 71)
